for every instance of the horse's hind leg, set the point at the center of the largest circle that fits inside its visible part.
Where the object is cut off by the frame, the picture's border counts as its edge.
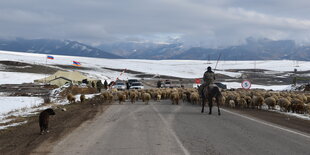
(203, 105)
(210, 106)
(218, 108)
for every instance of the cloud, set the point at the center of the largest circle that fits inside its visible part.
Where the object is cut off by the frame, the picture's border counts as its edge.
(196, 22)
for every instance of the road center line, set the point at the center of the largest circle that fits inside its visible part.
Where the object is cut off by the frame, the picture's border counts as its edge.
(185, 151)
(268, 124)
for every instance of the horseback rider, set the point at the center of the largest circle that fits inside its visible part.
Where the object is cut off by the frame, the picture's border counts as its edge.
(208, 78)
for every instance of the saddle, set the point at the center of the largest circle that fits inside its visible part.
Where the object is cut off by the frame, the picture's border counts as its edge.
(208, 88)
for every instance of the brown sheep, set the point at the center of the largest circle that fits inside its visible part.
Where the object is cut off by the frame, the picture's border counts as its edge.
(298, 106)
(194, 98)
(163, 94)
(231, 104)
(248, 100)
(308, 99)
(308, 108)
(133, 97)
(146, 98)
(241, 102)
(258, 101)
(105, 95)
(121, 97)
(271, 102)
(44, 119)
(158, 97)
(82, 98)
(187, 96)
(110, 98)
(284, 104)
(175, 98)
(71, 98)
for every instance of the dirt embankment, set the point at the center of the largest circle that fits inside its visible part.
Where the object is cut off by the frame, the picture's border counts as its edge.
(14, 66)
(287, 121)
(24, 139)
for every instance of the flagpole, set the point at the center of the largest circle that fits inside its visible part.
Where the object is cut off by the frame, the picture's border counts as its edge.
(46, 66)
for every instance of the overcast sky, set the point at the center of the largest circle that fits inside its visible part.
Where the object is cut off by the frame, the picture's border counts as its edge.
(205, 22)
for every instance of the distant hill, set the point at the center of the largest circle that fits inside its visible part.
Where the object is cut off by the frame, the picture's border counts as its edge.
(253, 49)
(263, 49)
(144, 50)
(48, 46)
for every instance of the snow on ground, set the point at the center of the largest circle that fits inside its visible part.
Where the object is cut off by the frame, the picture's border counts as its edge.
(18, 78)
(87, 96)
(13, 124)
(178, 68)
(302, 116)
(236, 85)
(21, 107)
(17, 106)
(8, 104)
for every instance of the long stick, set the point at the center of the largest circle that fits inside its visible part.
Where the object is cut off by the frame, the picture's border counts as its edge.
(45, 66)
(217, 61)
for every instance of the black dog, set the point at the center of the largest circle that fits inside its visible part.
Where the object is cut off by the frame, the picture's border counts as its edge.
(43, 119)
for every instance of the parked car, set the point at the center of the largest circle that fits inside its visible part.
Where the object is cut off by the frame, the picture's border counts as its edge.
(130, 81)
(119, 86)
(171, 84)
(136, 85)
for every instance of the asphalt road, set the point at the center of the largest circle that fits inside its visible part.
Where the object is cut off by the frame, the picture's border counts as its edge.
(164, 129)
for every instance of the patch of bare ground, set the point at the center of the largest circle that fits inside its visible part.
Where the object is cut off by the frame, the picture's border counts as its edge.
(14, 66)
(26, 138)
(246, 70)
(142, 74)
(287, 121)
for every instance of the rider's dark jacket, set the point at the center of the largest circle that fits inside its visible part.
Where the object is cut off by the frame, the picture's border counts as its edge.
(208, 77)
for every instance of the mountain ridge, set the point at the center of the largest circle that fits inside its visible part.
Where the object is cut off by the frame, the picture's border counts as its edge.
(252, 49)
(49, 46)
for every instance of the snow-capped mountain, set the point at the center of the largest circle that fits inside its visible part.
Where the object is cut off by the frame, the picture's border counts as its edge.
(48, 46)
(253, 49)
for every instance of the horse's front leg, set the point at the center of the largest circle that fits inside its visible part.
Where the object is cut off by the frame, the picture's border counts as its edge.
(210, 106)
(203, 102)
(218, 106)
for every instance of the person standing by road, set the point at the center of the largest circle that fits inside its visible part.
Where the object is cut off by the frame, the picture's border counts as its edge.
(158, 84)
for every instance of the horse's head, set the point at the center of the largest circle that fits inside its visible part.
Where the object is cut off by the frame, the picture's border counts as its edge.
(200, 88)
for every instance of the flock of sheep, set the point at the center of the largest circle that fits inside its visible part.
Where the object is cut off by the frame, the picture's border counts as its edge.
(297, 102)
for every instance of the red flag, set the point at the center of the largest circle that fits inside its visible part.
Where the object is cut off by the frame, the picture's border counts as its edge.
(75, 63)
(197, 81)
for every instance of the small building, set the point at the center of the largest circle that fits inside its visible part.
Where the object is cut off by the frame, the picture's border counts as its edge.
(60, 81)
(62, 77)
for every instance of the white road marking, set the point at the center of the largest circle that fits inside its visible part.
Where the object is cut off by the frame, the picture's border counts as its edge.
(269, 124)
(185, 151)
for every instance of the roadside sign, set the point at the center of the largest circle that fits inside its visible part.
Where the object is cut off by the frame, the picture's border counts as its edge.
(197, 81)
(246, 84)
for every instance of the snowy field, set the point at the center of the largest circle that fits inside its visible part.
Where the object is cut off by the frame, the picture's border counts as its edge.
(176, 68)
(18, 78)
(7, 104)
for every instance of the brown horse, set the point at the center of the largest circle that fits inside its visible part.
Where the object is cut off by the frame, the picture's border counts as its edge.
(207, 94)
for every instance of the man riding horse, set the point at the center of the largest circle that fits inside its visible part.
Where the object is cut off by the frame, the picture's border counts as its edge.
(208, 91)
(208, 78)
